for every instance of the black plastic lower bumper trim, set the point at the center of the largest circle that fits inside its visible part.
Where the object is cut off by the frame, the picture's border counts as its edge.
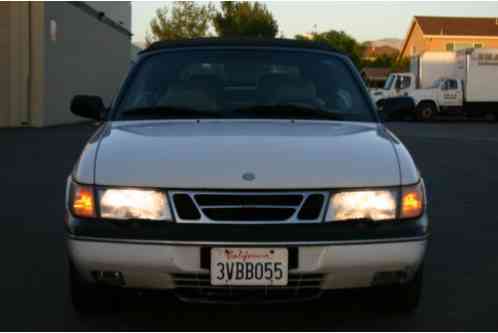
(164, 232)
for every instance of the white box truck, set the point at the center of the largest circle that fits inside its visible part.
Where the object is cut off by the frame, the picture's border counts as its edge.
(468, 87)
(431, 66)
(478, 69)
(424, 70)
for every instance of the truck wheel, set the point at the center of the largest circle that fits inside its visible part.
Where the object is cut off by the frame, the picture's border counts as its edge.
(491, 117)
(88, 299)
(406, 297)
(425, 111)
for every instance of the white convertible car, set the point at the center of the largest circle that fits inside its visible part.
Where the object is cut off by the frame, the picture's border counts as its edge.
(236, 171)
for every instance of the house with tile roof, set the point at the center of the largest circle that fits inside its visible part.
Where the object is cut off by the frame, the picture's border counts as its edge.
(435, 33)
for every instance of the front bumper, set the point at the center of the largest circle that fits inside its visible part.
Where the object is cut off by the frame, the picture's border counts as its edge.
(172, 256)
(152, 265)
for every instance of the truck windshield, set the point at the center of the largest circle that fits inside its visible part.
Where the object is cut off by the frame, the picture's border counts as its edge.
(244, 83)
(389, 82)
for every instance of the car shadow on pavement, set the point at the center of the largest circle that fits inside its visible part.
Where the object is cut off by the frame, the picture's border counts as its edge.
(339, 310)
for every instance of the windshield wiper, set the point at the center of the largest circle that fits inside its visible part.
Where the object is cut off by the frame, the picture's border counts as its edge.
(292, 111)
(167, 112)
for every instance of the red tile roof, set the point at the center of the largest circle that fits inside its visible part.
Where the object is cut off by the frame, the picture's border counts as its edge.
(458, 26)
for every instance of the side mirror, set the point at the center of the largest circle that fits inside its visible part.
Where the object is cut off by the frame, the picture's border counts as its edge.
(91, 107)
(397, 108)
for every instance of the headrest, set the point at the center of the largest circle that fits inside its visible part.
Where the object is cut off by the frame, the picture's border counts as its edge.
(186, 95)
(296, 90)
(273, 80)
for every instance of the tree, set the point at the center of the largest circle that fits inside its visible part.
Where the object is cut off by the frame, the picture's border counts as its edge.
(401, 65)
(183, 20)
(341, 41)
(382, 61)
(245, 19)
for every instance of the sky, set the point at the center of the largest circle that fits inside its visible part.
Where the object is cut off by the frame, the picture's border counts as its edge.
(363, 20)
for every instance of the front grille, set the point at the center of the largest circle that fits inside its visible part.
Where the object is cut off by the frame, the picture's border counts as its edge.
(185, 207)
(198, 287)
(312, 207)
(247, 207)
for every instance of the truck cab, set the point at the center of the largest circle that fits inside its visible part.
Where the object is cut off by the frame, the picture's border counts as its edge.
(397, 84)
(444, 96)
(449, 93)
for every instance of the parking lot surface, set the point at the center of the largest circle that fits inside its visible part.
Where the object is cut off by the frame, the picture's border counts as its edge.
(458, 160)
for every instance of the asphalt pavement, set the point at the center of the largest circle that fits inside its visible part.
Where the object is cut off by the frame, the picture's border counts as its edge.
(458, 160)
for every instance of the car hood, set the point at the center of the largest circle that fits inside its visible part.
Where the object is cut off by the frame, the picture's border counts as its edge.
(215, 154)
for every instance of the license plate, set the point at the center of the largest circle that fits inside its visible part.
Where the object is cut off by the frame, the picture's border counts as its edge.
(249, 267)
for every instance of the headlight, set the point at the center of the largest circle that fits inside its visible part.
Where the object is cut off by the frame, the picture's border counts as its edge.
(126, 204)
(376, 205)
(121, 204)
(355, 205)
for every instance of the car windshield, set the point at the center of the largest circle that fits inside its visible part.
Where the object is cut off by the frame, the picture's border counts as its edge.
(248, 83)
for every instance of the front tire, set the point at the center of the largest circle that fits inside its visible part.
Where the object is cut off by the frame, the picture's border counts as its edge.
(425, 111)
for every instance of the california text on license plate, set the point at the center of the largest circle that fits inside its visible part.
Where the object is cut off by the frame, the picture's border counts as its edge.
(249, 267)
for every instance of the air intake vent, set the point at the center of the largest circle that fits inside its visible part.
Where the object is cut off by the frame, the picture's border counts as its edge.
(198, 287)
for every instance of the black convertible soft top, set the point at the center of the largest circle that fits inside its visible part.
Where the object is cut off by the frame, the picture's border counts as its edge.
(249, 42)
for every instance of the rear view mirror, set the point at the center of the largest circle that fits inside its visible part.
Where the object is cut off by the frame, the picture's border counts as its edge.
(397, 108)
(91, 107)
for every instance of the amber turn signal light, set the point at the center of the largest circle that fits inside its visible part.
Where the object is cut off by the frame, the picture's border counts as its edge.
(83, 203)
(412, 201)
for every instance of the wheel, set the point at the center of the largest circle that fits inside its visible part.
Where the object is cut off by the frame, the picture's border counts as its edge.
(425, 111)
(406, 297)
(490, 117)
(87, 299)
